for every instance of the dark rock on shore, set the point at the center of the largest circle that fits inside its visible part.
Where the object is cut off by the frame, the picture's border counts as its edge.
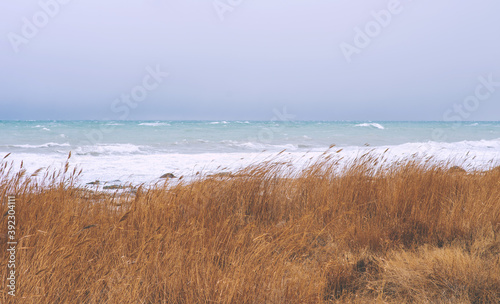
(456, 169)
(114, 187)
(94, 183)
(168, 175)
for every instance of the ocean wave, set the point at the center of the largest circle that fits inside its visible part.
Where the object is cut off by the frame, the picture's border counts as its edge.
(111, 149)
(485, 147)
(249, 145)
(372, 124)
(46, 145)
(154, 124)
(218, 122)
(258, 146)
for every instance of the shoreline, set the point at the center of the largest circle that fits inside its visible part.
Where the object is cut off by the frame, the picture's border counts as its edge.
(138, 169)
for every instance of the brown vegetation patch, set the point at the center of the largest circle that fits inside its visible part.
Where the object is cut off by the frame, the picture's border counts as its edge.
(409, 232)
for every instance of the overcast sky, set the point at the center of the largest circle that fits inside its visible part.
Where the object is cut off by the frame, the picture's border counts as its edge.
(240, 59)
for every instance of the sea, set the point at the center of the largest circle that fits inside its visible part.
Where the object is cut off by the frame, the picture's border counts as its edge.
(140, 152)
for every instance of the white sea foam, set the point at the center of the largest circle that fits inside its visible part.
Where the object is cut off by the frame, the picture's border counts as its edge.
(154, 124)
(259, 146)
(110, 149)
(250, 145)
(372, 124)
(126, 162)
(46, 145)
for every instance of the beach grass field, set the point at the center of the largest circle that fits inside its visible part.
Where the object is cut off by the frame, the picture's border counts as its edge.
(405, 232)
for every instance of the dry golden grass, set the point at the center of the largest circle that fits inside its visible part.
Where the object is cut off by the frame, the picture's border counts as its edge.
(410, 232)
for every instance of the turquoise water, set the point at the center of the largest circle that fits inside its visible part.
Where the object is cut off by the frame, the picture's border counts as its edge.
(141, 150)
(100, 137)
